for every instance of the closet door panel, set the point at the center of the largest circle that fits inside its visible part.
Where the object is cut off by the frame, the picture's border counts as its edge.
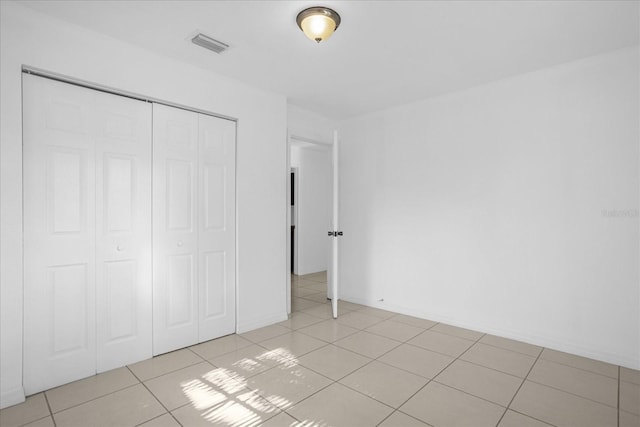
(175, 239)
(216, 278)
(123, 216)
(59, 234)
(87, 212)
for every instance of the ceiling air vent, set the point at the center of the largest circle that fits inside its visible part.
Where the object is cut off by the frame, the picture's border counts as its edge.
(209, 43)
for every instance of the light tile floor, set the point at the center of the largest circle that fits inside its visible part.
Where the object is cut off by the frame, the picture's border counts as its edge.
(367, 368)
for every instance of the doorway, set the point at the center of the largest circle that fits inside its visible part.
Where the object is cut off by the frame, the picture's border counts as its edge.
(310, 197)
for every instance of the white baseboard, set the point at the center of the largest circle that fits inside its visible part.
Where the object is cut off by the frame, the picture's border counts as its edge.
(564, 346)
(261, 322)
(11, 397)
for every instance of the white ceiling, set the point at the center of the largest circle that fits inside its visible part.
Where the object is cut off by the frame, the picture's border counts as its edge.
(385, 53)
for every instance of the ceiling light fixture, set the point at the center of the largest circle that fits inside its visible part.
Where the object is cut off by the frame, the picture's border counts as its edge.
(318, 23)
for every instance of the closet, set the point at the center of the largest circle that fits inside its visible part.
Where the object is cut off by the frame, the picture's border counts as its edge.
(129, 230)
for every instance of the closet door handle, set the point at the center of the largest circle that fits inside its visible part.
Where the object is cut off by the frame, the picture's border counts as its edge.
(119, 248)
(179, 243)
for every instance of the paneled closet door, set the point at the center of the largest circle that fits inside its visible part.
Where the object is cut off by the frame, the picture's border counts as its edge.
(59, 234)
(175, 253)
(123, 231)
(69, 195)
(216, 279)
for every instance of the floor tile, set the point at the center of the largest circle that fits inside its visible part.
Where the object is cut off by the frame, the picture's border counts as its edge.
(629, 420)
(350, 306)
(164, 364)
(506, 361)
(507, 344)
(299, 320)
(399, 419)
(338, 405)
(329, 330)
(320, 276)
(319, 297)
(486, 383)
(560, 408)
(467, 334)
(245, 408)
(583, 383)
(366, 344)
(316, 286)
(301, 291)
(281, 420)
(441, 343)
(294, 343)
(514, 419)
(440, 405)
(251, 360)
(376, 312)
(43, 422)
(395, 330)
(81, 391)
(301, 304)
(629, 375)
(358, 320)
(165, 420)
(263, 334)
(322, 311)
(422, 362)
(630, 397)
(384, 383)
(128, 407)
(32, 409)
(325, 311)
(414, 321)
(333, 362)
(180, 387)
(284, 387)
(580, 362)
(220, 346)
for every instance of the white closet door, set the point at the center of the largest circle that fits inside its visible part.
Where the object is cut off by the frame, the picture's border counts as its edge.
(59, 234)
(216, 272)
(123, 231)
(175, 254)
(87, 192)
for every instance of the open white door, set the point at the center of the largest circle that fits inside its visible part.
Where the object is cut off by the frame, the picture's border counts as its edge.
(333, 277)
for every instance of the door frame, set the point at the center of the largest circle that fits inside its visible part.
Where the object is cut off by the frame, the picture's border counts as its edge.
(292, 139)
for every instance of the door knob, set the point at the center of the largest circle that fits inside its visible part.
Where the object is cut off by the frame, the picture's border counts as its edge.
(179, 243)
(119, 248)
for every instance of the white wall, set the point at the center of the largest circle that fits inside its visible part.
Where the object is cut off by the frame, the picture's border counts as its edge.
(309, 125)
(313, 207)
(36, 40)
(484, 208)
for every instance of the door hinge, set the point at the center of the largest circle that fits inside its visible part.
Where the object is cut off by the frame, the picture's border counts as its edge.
(335, 233)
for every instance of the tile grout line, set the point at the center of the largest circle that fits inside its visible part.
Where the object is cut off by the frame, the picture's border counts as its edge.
(576, 367)
(509, 349)
(403, 413)
(572, 394)
(533, 418)
(430, 380)
(172, 370)
(95, 398)
(49, 406)
(155, 398)
(521, 384)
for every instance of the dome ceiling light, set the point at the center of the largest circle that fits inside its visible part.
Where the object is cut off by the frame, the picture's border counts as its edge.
(318, 23)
